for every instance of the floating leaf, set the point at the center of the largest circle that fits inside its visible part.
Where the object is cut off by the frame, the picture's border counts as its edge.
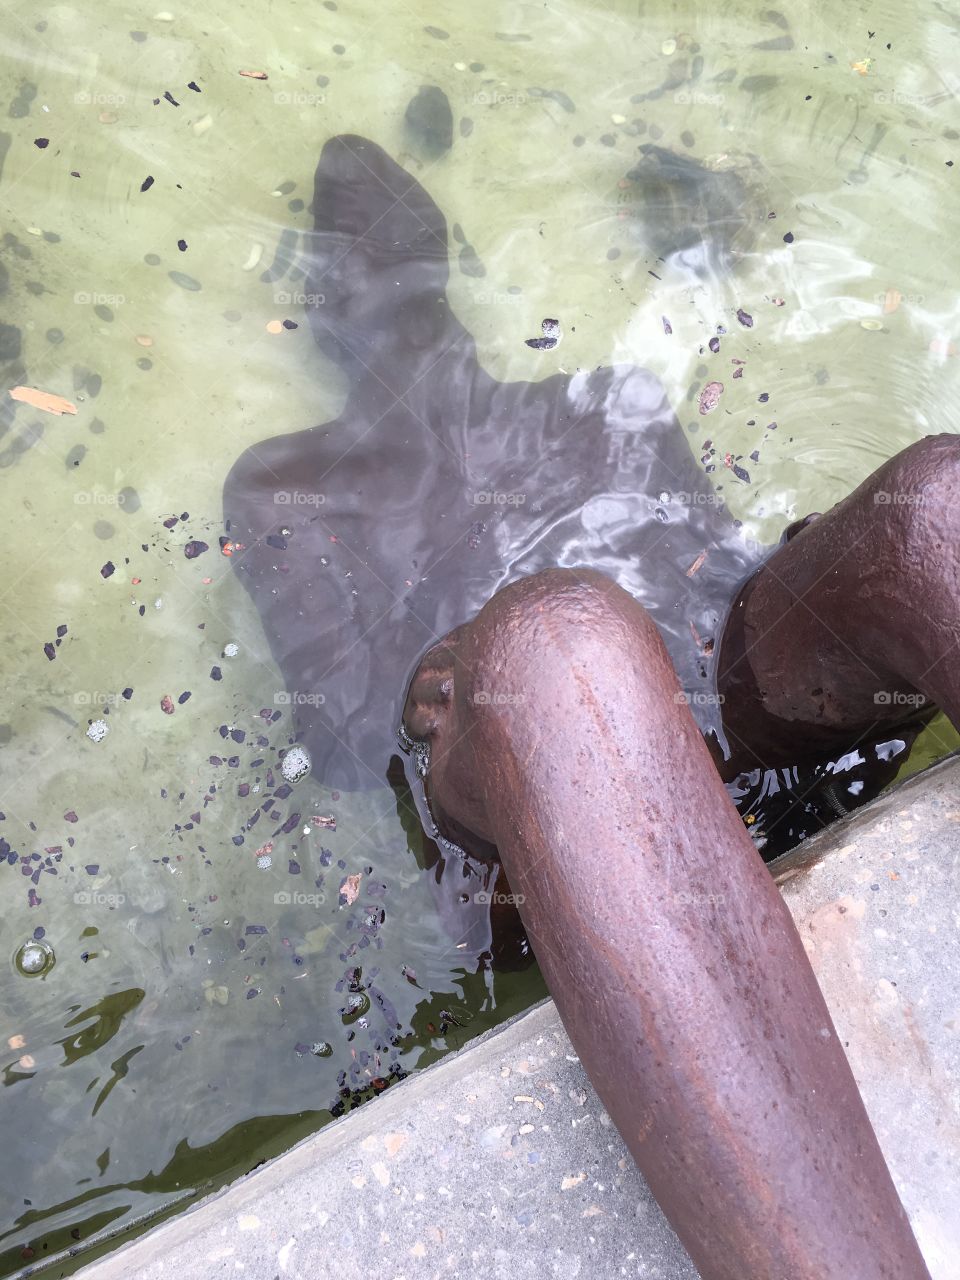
(44, 400)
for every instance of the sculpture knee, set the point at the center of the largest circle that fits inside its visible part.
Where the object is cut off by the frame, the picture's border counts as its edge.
(550, 662)
(917, 496)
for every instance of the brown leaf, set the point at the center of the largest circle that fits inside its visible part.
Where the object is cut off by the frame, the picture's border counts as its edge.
(710, 396)
(697, 564)
(45, 400)
(350, 889)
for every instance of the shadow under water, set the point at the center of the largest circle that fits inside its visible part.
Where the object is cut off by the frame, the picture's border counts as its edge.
(365, 540)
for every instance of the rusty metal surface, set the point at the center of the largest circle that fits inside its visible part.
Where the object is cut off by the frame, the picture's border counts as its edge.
(557, 732)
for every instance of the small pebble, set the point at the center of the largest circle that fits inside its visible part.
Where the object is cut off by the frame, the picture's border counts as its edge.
(710, 396)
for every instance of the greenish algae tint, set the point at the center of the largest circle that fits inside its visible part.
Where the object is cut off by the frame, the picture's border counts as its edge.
(238, 957)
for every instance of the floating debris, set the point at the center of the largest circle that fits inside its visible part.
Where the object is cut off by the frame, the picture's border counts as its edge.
(710, 396)
(44, 400)
(167, 705)
(350, 890)
(295, 764)
(357, 1005)
(255, 75)
(35, 959)
(745, 318)
(697, 564)
(231, 650)
(551, 336)
(98, 730)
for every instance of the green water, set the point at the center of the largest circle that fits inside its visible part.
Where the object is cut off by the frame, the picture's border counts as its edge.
(140, 1069)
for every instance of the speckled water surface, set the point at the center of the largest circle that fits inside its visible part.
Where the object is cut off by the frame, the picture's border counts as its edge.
(233, 950)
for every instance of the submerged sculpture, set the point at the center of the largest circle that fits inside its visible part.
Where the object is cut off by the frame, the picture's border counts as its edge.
(555, 728)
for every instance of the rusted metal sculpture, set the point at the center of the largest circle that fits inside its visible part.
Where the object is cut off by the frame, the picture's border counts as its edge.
(555, 727)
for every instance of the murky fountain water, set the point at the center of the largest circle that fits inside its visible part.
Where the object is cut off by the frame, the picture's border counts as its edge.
(635, 171)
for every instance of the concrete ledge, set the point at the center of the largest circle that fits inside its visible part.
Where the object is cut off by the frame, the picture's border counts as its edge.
(500, 1162)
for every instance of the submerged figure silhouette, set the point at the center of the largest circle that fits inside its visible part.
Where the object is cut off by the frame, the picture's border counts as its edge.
(532, 539)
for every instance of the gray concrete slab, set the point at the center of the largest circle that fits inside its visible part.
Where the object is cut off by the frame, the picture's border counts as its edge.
(500, 1161)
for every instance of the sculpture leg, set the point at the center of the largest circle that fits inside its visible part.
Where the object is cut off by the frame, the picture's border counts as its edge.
(853, 625)
(556, 732)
